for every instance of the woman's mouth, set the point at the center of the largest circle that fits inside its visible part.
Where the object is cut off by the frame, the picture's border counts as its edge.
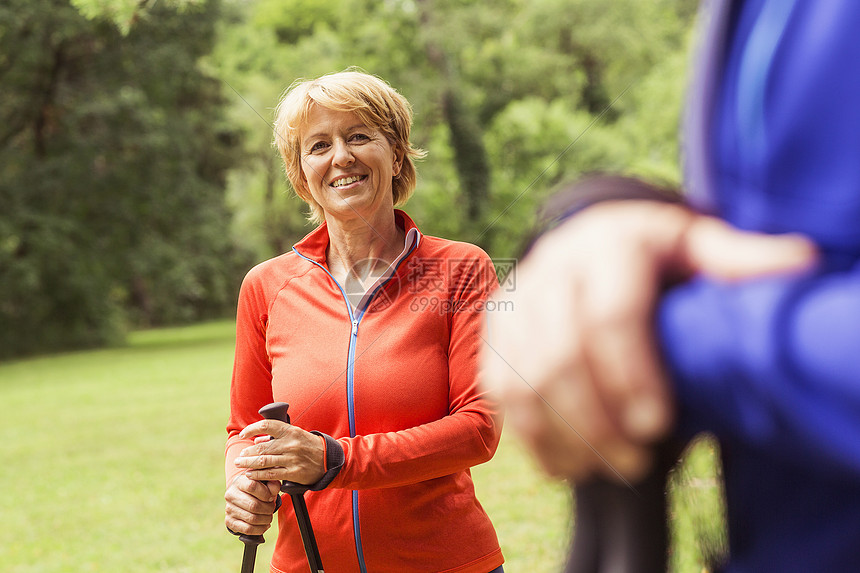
(340, 182)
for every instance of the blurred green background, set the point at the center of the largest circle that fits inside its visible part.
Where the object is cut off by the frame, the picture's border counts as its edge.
(138, 183)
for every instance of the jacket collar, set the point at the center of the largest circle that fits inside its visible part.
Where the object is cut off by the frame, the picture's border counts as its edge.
(714, 19)
(315, 244)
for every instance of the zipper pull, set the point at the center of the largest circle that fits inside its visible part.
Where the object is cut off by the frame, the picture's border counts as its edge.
(354, 327)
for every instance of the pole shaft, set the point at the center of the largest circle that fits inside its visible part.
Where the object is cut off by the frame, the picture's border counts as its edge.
(308, 538)
(249, 557)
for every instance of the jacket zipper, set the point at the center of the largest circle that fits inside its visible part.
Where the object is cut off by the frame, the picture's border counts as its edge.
(355, 319)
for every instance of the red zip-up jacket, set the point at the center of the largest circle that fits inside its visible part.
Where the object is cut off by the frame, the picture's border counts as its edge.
(391, 382)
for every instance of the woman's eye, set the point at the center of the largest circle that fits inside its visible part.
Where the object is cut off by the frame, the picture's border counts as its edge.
(318, 146)
(360, 137)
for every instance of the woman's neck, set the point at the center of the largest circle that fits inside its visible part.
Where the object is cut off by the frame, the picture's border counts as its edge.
(360, 249)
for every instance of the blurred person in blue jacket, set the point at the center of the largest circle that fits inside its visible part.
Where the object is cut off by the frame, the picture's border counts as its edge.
(737, 313)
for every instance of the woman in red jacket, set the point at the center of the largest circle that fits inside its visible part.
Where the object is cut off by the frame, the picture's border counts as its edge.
(370, 330)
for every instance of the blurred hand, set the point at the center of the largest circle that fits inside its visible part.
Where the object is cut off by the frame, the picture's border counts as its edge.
(250, 505)
(291, 454)
(576, 358)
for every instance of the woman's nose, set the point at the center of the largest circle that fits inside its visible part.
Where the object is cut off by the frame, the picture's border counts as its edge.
(342, 154)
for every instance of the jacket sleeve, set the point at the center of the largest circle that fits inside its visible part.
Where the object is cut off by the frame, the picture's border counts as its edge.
(774, 364)
(251, 384)
(467, 436)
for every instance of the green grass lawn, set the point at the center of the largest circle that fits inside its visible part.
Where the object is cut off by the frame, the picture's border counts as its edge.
(114, 462)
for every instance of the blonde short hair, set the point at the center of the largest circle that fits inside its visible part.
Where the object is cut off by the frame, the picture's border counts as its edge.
(374, 101)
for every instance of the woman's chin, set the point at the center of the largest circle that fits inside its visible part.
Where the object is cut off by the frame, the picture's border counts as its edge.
(356, 206)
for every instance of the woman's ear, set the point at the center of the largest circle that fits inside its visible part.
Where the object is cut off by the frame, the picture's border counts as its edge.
(398, 160)
(303, 191)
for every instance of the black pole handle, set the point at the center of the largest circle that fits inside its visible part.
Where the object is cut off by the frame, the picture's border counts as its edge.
(273, 411)
(276, 411)
(621, 529)
(280, 411)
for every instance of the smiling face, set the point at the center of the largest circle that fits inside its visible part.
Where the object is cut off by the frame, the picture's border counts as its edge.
(347, 166)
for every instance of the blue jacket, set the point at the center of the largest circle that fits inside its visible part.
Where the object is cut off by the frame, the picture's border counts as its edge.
(772, 367)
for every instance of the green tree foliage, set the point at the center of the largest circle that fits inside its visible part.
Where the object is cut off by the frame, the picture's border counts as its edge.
(113, 159)
(125, 13)
(511, 99)
(122, 122)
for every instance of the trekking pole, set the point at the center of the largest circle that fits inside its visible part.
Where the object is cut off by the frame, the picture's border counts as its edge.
(621, 528)
(278, 411)
(296, 491)
(249, 555)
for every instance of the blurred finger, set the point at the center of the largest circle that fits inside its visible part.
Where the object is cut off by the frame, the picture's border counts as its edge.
(721, 251)
(632, 380)
(621, 353)
(569, 425)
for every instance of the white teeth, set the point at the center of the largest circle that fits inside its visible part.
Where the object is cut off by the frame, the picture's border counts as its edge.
(345, 181)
